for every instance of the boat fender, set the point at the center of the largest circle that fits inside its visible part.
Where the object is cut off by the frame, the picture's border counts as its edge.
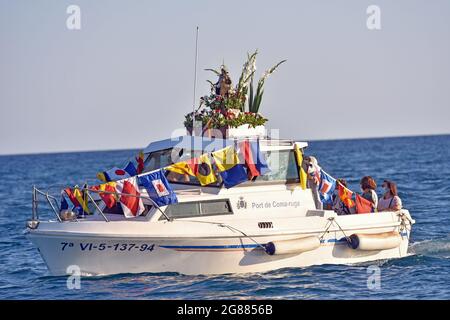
(376, 241)
(292, 246)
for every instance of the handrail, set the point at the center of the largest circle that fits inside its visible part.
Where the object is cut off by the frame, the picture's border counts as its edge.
(97, 207)
(128, 195)
(50, 198)
(34, 212)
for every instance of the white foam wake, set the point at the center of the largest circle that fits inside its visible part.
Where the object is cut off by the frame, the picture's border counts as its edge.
(434, 248)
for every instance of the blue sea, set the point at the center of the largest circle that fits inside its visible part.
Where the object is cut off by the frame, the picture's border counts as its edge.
(419, 165)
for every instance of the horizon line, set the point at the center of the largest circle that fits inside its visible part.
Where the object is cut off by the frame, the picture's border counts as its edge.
(306, 140)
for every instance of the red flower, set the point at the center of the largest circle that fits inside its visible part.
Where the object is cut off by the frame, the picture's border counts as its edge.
(230, 115)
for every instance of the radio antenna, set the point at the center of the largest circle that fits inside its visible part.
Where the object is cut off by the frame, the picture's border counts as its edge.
(195, 81)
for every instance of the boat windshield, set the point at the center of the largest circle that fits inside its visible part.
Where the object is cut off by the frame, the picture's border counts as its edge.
(163, 158)
(282, 164)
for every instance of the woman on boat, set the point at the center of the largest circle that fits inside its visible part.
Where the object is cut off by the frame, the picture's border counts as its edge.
(368, 187)
(390, 200)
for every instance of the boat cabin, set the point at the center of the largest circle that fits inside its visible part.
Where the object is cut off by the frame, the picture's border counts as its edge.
(279, 155)
(275, 192)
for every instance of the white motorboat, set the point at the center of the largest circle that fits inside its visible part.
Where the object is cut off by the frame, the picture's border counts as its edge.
(265, 224)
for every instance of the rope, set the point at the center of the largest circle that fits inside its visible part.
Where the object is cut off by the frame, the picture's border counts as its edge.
(223, 225)
(245, 235)
(331, 221)
(346, 237)
(402, 215)
(403, 225)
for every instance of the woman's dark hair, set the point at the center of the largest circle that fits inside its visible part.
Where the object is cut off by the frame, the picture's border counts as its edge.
(367, 182)
(392, 187)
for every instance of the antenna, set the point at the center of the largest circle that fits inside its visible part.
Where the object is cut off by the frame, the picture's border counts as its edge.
(195, 81)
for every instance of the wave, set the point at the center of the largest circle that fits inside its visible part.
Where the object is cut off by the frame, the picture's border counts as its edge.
(439, 248)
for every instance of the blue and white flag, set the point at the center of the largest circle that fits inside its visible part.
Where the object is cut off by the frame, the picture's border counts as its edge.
(326, 187)
(158, 188)
(64, 205)
(115, 173)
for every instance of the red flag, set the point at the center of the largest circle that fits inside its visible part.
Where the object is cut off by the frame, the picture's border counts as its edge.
(132, 204)
(363, 205)
(192, 166)
(346, 196)
(249, 159)
(108, 198)
(140, 162)
(78, 198)
(72, 197)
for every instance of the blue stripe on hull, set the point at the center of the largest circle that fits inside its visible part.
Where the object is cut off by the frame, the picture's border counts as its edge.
(231, 246)
(246, 246)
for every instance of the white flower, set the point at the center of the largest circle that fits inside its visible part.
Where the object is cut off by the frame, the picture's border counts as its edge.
(253, 69)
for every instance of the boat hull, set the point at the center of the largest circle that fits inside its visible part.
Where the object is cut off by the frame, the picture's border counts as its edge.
(112, 255)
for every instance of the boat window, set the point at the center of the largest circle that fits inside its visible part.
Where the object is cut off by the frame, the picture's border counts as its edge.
(283, 166)
(182, 210)
(215, 207)
(117, 209)
(196, 209)
(163, 158)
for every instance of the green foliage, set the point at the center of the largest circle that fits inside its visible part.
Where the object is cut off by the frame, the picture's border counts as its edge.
(255, 102)
(216, 111)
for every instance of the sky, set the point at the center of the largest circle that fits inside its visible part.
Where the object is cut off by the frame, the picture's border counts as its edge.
(126, 77)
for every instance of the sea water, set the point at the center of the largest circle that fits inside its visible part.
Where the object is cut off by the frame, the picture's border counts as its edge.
(419, 165)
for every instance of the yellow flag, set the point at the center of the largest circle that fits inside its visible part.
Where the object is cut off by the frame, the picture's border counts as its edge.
(82, 199)
(200, 168)
(101, 176)
(301, 171)
(225, 159)
(182, 168)
(205, 173)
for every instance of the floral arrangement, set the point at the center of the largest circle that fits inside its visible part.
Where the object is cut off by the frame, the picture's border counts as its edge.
(225, 107)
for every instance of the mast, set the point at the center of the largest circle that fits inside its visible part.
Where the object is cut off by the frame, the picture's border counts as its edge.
(195, 82)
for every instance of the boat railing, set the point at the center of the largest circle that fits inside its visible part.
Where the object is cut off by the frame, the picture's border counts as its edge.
(86, 191)
(35, 202)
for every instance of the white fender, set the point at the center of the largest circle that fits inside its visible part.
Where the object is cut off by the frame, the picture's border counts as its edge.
(292, 246)
(377, 241)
